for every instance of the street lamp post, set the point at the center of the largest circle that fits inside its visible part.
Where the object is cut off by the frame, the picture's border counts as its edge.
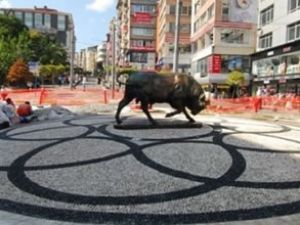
(177, 33)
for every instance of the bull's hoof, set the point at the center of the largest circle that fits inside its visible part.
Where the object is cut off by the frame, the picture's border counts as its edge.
(192, 121)
(168, 115)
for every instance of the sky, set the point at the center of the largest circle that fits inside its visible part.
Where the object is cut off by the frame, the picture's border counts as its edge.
(91, 17)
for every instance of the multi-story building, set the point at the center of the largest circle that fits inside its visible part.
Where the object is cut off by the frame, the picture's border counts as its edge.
(276, 65)
(46, 20)
(137, 32)
(166, 35)
(223, 38)
(87, 59)
(101, 53)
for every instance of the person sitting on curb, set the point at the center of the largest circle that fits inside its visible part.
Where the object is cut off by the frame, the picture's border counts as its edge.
(10, 111)
(25, 112)
(4, 120)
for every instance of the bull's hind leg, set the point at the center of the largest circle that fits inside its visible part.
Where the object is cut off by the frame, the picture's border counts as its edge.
(144, 105)
(122, 104)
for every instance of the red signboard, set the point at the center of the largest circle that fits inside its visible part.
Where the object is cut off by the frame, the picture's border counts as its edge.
(214, 64)
(141, 17)
(143, 48)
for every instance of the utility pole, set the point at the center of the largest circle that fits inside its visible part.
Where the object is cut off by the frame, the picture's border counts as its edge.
(113, 56)
(72, 57)
(177, 33)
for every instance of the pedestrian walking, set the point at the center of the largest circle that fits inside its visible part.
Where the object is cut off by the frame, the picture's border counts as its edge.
(84, 80)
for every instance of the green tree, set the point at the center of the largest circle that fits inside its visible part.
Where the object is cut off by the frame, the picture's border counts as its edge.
(14, 43)
(51, 72)
(11, 27)
(235, 79)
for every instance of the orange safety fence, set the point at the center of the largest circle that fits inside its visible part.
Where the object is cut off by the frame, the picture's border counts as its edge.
(98, 95)
(21, 95)
(254, 104)
(62, 96)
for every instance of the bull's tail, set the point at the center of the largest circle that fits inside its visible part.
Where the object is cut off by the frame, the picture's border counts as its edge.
(123, 76)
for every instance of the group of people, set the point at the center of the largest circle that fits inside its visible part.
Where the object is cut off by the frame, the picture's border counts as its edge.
(10, 114)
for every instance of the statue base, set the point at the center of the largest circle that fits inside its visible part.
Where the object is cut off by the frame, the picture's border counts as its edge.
(160, 125)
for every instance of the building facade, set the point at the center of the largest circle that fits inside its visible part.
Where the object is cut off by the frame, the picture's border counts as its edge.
(166, 35)
(276, 65)
(137, 33)
(223, 38)
(46, 20)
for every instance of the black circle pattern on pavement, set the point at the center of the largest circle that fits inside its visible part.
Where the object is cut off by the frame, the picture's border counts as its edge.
(16, 173)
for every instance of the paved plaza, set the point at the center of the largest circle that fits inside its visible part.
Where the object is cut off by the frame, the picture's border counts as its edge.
(82, 170)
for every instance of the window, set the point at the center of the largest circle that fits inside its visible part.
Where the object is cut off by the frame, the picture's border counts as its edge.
(171, 27)
(196, 6)
(265, 41)
(266, 16)
(142, 31)
(28, 19)
(186, 10)
(234, 36)
(173, 9)
(140, 57)
(202, 67)
(293, 31)
(185, 28)
(19, 15)
(38, 20)
(225, 10)
(294, 5)
(232, 62)
(61, 24)
(143, 8)
(47, 22)
(210, 12)
(142, 43)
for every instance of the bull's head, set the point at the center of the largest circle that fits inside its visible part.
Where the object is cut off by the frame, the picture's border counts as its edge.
(197, 101)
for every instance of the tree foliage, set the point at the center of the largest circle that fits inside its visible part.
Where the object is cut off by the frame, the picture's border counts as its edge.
(16, 41)
(235, 79)
(51, 71)
(19, 73)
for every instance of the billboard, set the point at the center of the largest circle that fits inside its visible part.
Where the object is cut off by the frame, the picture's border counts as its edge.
(214, 64)
(243, 11)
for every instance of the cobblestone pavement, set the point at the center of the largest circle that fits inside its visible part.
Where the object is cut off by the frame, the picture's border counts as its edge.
(84, 171)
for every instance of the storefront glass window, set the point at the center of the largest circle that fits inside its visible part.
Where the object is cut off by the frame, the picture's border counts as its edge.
(230, 63)
(279, 65)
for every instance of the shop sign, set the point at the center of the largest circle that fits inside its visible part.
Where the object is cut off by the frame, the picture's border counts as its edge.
(282, 80)
(214, 64)
(141, 17)
(286, 49)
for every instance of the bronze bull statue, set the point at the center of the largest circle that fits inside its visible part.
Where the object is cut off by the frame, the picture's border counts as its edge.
(179, 90)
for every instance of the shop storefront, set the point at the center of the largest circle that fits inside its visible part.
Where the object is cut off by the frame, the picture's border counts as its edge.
(278, 69)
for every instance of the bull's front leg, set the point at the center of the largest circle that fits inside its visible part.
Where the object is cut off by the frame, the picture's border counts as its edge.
(170, 114)
(191, 120)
